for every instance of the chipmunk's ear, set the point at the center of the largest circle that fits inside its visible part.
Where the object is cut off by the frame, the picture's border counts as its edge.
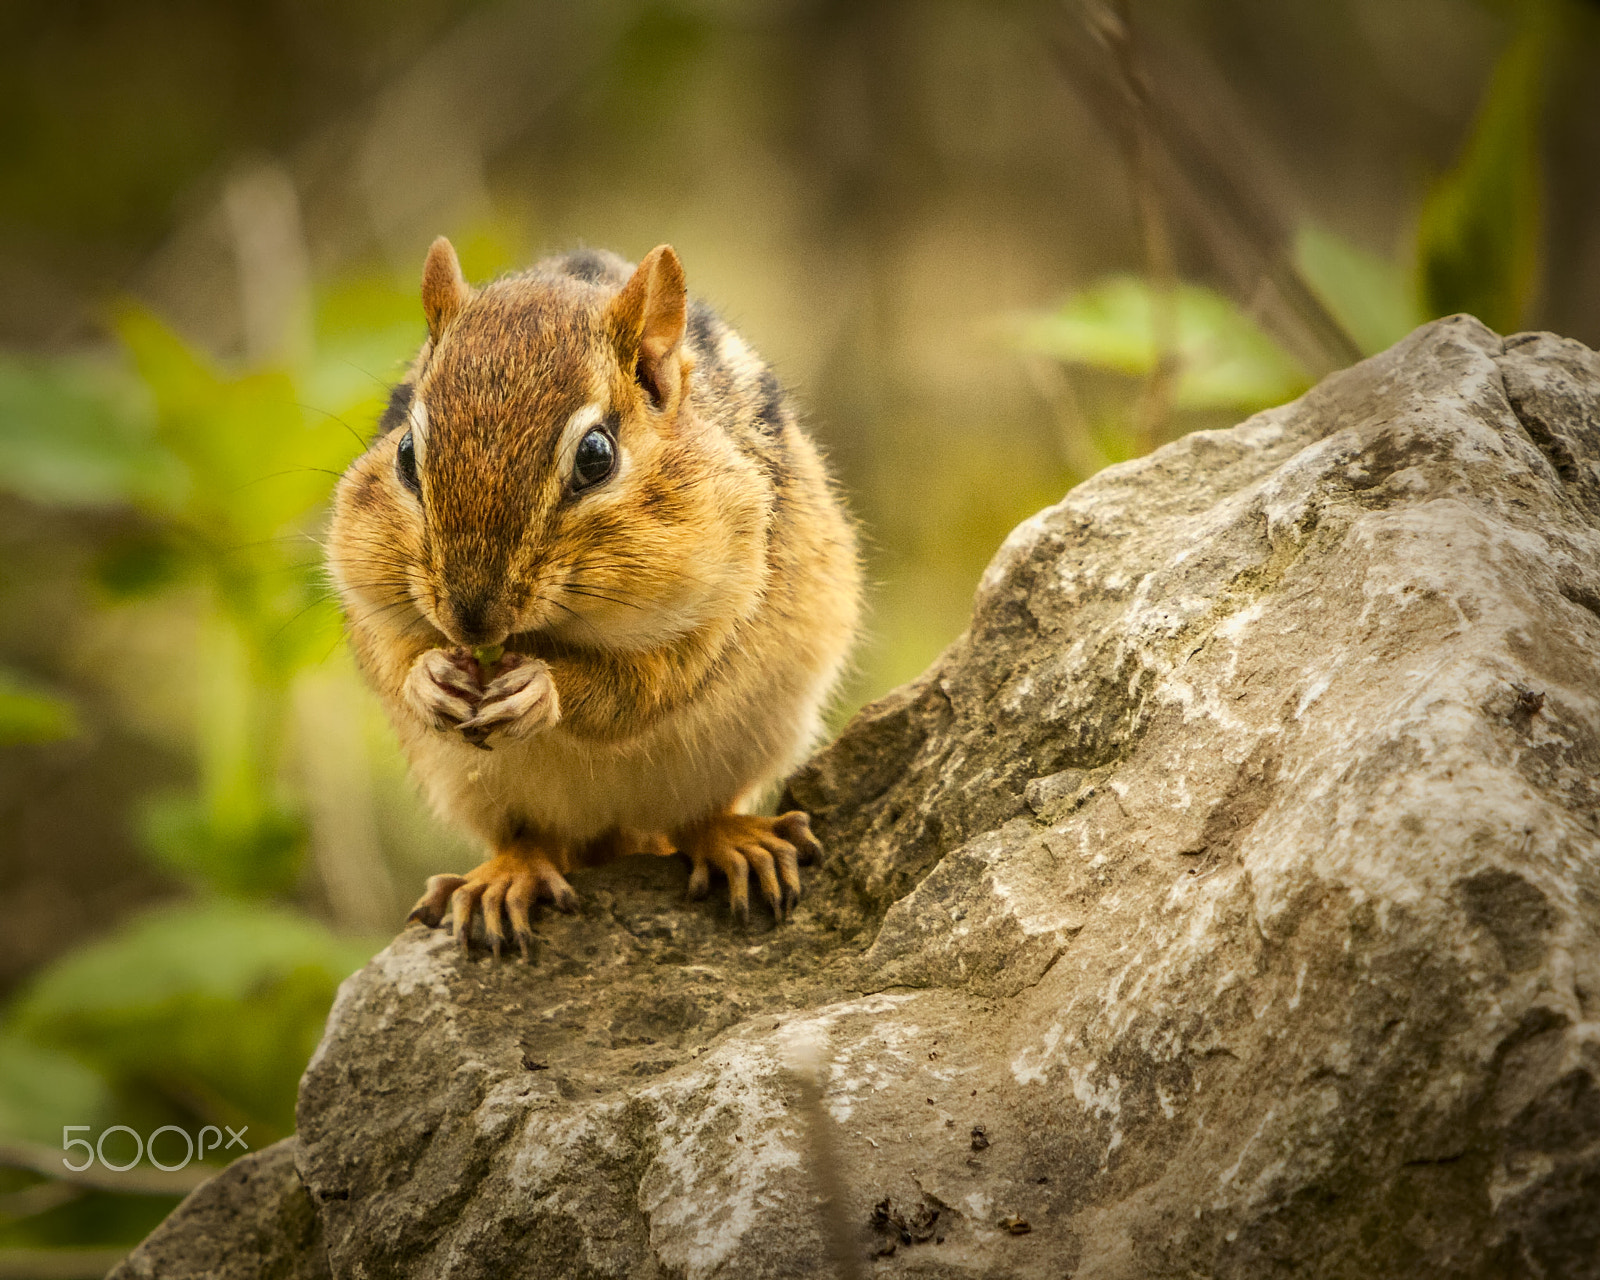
(646, 322)
(444, 291)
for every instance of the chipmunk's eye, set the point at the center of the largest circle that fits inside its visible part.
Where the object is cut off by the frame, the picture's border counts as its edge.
(405, 463)
(595, 461)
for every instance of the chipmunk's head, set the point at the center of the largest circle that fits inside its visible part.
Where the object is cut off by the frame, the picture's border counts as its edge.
(544, 471)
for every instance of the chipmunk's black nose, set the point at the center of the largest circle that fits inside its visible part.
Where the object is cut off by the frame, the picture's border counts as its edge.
(472, 611)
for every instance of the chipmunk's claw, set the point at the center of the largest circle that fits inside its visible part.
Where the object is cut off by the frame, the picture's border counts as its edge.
(462, 903)
(795, 827)
(494, 915)
(430, 906)
(736, 844)
(699, 879)
(519, 899)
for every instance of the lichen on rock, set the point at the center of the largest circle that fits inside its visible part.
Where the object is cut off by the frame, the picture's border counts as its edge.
(1235, 876)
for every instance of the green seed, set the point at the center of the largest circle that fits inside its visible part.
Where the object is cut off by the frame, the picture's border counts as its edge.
(488, 655)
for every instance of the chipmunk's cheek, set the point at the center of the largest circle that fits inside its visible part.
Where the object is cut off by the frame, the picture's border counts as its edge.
(426, 601)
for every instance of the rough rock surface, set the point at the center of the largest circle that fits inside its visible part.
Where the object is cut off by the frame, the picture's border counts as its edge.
(253, 1221)
(1225, 902)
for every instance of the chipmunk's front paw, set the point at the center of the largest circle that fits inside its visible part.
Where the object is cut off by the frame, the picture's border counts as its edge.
(519, 700)
(442, 688)
(736, 843)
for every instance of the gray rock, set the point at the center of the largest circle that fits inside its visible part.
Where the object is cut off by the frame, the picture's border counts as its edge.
(1225, 902)
(252, 1221)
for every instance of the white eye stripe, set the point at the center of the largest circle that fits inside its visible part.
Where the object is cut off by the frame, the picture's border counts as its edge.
(417, 419)
(578, 425)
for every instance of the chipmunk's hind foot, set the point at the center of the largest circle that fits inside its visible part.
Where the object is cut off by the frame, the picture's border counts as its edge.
(500, 891)
(737, 843)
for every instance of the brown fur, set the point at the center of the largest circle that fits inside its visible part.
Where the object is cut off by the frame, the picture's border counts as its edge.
(688, 616)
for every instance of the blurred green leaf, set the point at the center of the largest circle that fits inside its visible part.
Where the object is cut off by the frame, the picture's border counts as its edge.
(78, 432)
(216, 1004)
(260, 463)
(261, 466)
(243, 440)
(1478, 239)
(256, 852)
(1224, 360)
(138, 565)
(367, 330)
(42, 1089)
(212, 947)
(1374, 299)
(31, 715)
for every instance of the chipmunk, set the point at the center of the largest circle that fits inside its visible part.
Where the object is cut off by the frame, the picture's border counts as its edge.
(601, 581)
